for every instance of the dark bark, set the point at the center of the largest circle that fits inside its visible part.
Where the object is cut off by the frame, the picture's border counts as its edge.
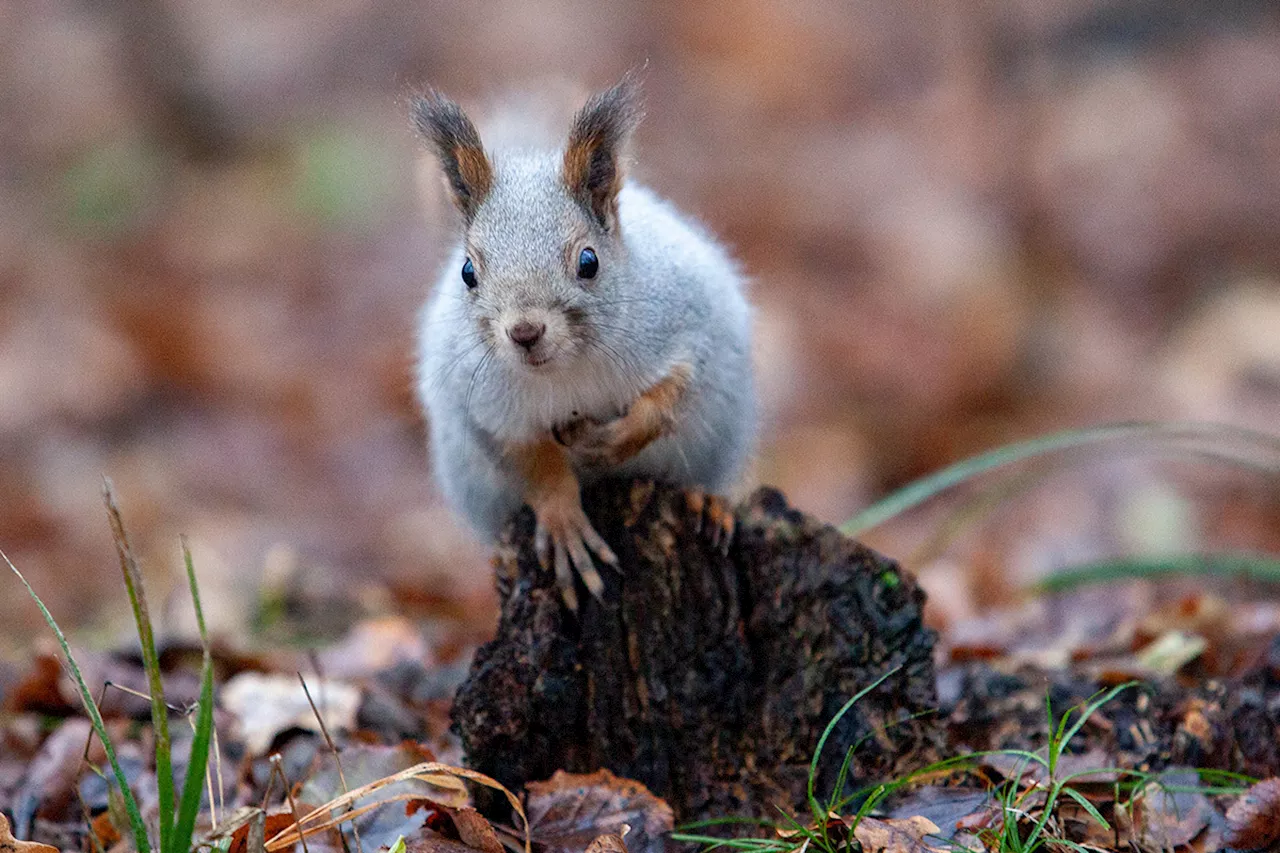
(708, 677)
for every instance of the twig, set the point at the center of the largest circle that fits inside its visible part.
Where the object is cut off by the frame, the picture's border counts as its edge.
(342, 777)
(288, 792)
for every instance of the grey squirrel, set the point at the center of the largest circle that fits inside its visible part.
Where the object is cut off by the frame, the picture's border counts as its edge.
(581, 328)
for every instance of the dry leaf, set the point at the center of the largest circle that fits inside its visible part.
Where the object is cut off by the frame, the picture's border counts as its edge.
(366, 764)
(950, 808)
(1173, 818)
(273, 823)
(893, 835)
(430, 842)
(1253, 821)
(266, 704)
(610, 843)
(9, 844)
(569, 811)
(105, 830)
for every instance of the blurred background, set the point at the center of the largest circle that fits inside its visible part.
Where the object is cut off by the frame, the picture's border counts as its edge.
(968, 223)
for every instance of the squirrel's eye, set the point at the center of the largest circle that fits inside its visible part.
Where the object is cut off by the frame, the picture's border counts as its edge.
(588, 263)
(469, 274)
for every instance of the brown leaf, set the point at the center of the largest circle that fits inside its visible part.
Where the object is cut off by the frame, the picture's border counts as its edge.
(893, 835)
(274, 823)
(105, 830)
(9, 844)
(1172, 818)
(1253, 821)
(569, 811)
(456, 823)
(474, 831)
(365, 764)
(39, 690)
(1094, 766)
(52, 776)
(430, 842)
(610, 843)
(950, 808)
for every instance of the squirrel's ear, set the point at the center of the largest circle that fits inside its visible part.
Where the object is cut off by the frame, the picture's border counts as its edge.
(457, 143)
(597, 142)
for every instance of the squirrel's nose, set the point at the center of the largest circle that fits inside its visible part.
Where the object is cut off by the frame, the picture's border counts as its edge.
(526, 334)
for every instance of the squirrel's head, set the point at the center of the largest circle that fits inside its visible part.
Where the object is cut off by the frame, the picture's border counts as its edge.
(545, 261)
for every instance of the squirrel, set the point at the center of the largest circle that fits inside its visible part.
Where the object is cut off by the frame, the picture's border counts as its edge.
(582, 328)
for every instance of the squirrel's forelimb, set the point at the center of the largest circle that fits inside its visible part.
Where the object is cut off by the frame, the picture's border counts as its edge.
(564, 537)
(652, 415)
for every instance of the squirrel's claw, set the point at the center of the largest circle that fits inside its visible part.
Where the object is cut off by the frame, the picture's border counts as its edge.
(566, 542)
(713, 517)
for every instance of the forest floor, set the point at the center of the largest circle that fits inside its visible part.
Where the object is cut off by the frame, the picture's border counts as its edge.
(1136, 715)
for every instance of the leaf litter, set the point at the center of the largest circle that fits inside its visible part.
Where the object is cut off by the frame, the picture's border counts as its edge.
(1136, 766)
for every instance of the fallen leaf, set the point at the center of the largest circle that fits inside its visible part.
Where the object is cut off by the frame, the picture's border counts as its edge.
(476, 832)
(265, 705)
(570, 811)
(610, 842)
(9, 844)
(51, 778)
(362, 765)
(104, 829)
(40, 690)
(1171, 818)
(1253, 821)
(950, 808)
(430, 842)
(274, 823)
(897, 835)
(457, 823)
(1092, 766)
(1171, 652)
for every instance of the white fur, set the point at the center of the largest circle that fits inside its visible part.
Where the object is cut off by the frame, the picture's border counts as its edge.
(667, 293)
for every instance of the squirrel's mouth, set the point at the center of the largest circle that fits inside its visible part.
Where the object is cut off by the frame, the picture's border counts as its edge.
(535, 360)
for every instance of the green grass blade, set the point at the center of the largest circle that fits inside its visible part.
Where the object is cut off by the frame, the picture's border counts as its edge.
(193, 788)
(731, 820)
(822, 741)
(1028, 757)
(838, 791)
(1256, 567)
(916, 493)
(1084, 803)
(714, 842)
(95, 717)
(150, 662)
(1098, 701)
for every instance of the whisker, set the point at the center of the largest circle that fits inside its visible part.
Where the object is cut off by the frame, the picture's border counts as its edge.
(466, 407)
(444, 371)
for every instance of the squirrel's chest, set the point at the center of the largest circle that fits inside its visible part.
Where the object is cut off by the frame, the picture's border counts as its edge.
(525, 407)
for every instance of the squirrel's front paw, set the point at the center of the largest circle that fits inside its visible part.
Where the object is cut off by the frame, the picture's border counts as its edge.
(592, 443)
(564, 538)
(713, 517)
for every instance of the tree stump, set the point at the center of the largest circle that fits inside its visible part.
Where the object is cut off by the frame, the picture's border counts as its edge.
(708, 676)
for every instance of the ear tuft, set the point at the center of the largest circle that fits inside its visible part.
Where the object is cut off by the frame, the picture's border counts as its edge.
(456, 141)
(598, 140)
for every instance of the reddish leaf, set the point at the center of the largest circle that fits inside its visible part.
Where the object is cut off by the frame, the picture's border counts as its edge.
(275, 823)
(457, 823)
(1253, 821)
(569, 811)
